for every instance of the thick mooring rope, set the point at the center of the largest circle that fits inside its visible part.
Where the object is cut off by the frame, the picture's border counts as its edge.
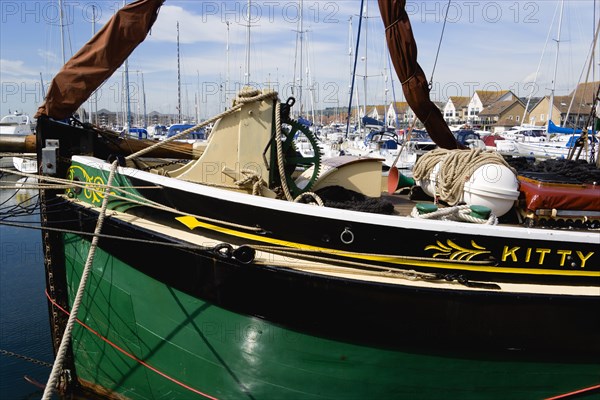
(280, 164)
(456, 168)
(66, 339)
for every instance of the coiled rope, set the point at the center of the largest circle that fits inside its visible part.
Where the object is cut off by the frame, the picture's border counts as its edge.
(456, 168)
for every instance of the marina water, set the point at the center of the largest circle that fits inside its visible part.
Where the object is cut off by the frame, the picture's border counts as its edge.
(24, 326)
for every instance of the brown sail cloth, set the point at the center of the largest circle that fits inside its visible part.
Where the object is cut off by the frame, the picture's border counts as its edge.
(99, 58)
(403, 51)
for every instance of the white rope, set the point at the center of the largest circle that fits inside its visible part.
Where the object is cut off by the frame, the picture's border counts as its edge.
(280, 163)
(315, 197)
(456, 213)
(66, 339)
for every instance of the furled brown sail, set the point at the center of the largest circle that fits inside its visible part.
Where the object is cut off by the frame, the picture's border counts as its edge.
(99, 58)
(403, 51)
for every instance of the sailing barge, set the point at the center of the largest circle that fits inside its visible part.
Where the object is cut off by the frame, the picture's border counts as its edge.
(203, 281)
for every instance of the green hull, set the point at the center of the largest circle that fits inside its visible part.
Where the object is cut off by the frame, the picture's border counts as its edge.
(175, 346)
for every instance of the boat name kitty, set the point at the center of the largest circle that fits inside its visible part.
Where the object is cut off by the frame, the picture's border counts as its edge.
(539, 254)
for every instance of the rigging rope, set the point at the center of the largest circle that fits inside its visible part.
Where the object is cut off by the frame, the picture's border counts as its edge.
(439, 46)
(136, 199)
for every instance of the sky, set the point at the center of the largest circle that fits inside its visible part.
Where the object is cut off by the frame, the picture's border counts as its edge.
(486, 45)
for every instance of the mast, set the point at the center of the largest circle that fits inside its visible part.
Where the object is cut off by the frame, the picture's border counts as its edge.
(562, 4)
(178, 79)
(362, 2)
(385, 91)
(227, 72)
(198, 97)
(95, 91)
(396, 123)
(62, 30)
(247, 74)
(301, 33)
(366, 62)
(145, 123)
(42, 83)
(310, 82)
(128, 121)
(350, 72)
(299, 56)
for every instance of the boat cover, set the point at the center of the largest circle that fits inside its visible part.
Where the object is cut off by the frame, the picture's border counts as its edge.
(541, 195)
(99, 58)
(403, 51)
(552, 128)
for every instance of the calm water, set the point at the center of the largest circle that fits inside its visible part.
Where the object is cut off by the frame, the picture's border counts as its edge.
(24, 327)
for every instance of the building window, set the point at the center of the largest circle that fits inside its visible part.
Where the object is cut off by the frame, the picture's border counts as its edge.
(542, 117)
(518, 118)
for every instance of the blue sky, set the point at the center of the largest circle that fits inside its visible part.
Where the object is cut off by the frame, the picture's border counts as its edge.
(488, 45)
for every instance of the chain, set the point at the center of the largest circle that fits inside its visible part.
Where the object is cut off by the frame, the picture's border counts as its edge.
(166, 164)
(22, 357)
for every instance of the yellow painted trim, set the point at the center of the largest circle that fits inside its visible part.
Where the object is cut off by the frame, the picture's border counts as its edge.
(192, 223)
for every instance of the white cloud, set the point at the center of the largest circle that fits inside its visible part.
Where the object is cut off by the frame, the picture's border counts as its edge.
(16, 68)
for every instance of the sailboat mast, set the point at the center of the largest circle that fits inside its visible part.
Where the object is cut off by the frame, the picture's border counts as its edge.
(198, 97)
(128, 104)
(62, 30)
(42, 83)
(227, 72)
(301, 33)
(350, 60)
(145, 123)
(309, 81)
(247, 82)
(95, 91)
(562, 4)
(178, 79)
(396, 122)
(362, 2)
(385, 91)
(366, 59)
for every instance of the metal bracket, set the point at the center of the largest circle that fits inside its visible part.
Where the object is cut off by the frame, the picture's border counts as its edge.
(50, 156)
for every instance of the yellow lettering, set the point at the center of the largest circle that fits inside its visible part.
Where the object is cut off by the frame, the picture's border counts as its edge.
(584, 259)
(510, 252)
(528, 255)
(564, 254)
(542, 253)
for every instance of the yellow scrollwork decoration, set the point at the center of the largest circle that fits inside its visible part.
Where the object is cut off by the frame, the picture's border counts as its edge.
(95, 193)
(455, 252)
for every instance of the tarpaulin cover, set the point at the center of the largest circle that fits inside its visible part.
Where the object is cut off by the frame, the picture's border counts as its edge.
(547, 196)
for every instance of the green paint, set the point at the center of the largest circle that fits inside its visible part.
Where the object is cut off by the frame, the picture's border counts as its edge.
(94, 195)
(426, 208)
(233, 356)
